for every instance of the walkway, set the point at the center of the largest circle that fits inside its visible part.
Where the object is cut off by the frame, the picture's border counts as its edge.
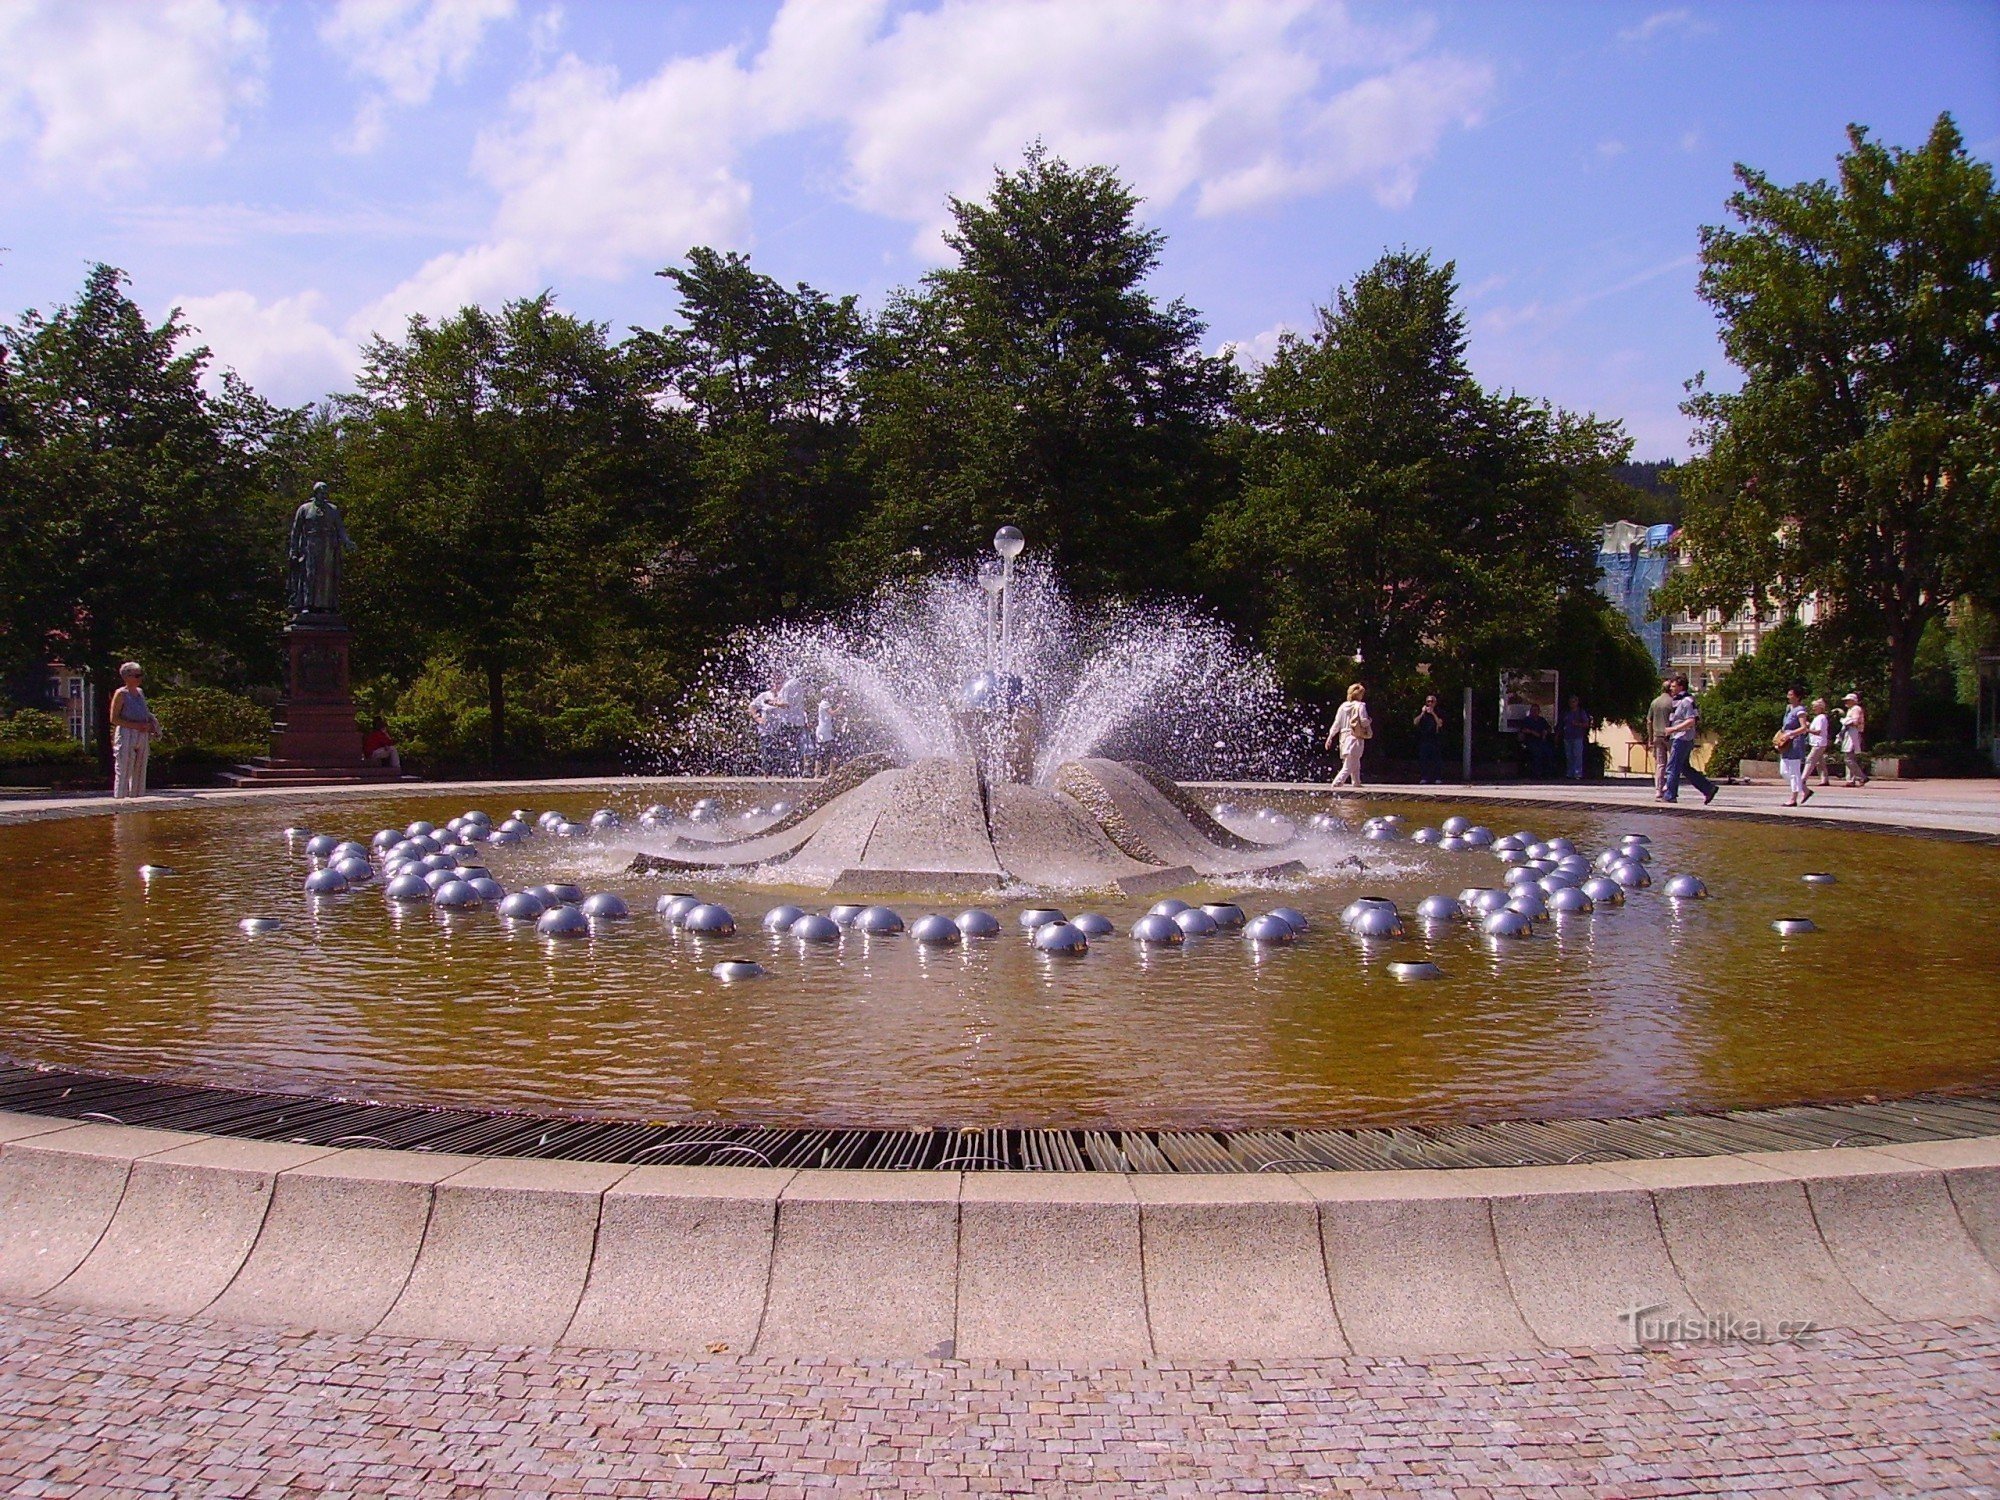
(1970, 806)
(105, 1406)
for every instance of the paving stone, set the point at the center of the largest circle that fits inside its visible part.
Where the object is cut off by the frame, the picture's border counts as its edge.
(114, 1406)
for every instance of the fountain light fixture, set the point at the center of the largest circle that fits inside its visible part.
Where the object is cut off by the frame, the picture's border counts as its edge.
(1009, 543)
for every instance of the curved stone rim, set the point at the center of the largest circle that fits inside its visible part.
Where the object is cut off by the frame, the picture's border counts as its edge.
(321, 1120)
(1008, 1265)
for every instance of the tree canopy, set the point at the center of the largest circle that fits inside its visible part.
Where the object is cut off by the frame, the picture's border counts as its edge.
(1392, 512)
(766, 374)
(1039, 382)
(1860, 461)
(136, 507)
(511, 486)
(554, 524)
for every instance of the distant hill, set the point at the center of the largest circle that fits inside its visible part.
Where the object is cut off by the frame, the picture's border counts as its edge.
(1643, 492)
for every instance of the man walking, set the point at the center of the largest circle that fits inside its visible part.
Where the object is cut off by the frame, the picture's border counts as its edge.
(1657, 714)
(1683, 726)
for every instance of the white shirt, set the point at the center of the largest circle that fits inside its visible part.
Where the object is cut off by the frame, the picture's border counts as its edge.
(1818, 732)
(823, 731)
(1345, 718)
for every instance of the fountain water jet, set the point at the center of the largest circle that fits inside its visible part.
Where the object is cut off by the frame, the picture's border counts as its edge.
(1014, 737)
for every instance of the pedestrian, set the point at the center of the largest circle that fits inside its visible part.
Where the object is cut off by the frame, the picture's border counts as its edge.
(1791, 743)
(826, 737)
(1683, 728)
(1657, 713)
(1819, 735)
(1537, 742)
(1430, 742)
(133, 726)
(1352, 728)
(378, 749)
(1853, 739)
(1576, 726)
(767, 712)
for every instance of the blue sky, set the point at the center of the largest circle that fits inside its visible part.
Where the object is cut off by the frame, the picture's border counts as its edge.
(295, 177)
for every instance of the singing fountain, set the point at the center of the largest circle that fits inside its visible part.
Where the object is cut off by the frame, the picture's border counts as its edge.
(983, 701)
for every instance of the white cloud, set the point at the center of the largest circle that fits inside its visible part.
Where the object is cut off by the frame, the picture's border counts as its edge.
(1231, 106)
(403, 47)
(100, 92)
(1255, 352)
(282, 347)
(1662, 22)
(1610, 150)
(1239, 105)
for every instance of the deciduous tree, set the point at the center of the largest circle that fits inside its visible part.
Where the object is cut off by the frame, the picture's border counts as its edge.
(1394, 511)
(510, 482)
(137, 510)
(1038, 381)
(1857, 462)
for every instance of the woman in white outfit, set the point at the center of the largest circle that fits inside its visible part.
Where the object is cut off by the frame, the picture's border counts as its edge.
(1853, 739)
(132, 729)
(1352, 728)
(1819, 735)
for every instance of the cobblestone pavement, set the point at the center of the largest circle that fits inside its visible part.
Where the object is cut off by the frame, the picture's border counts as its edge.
(95, 1405)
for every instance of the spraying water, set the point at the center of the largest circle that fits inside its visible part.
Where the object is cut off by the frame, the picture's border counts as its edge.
(1017, 681)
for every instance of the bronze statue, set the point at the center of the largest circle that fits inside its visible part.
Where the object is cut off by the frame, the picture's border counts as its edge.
(312, 579)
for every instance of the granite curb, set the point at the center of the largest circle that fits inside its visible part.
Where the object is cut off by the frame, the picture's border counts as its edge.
(1013, 1265)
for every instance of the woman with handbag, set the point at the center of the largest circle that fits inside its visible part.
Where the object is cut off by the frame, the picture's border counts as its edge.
(1352, 728)
(1790, 743)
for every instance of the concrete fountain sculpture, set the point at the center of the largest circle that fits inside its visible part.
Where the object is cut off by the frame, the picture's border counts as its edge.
(989, 713)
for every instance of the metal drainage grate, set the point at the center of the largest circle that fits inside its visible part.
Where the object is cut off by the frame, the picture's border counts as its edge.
(1514, 1143)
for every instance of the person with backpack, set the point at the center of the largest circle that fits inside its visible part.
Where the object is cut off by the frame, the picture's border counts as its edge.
(1683, 728)
(1352, 729)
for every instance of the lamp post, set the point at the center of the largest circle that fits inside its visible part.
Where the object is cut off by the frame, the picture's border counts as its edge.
(1009, 543)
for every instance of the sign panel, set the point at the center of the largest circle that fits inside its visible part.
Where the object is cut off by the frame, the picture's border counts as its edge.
(1526, 691)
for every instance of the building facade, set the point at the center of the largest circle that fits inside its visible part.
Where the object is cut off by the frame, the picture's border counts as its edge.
(1633, 561)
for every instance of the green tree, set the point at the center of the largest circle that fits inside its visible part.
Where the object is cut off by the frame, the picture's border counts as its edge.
(767, 375)
(1395, 512)
(512, 486)
(1037, 381)
(1858, 461)
(138, 514)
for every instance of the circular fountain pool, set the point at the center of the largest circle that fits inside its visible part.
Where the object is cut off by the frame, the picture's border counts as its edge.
(1653, 1005)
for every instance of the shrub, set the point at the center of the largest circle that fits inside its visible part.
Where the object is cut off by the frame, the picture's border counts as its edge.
(63, 752)
(442, 716)
(212, 716)
(33, 726)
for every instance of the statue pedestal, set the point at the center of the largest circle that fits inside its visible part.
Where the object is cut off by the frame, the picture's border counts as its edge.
(316, 718)
(315, 742)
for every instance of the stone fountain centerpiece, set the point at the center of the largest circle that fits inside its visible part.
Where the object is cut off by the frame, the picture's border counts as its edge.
(987, 781)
